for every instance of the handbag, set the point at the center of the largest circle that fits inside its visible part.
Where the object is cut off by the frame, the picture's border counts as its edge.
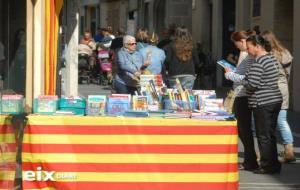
(229, 100)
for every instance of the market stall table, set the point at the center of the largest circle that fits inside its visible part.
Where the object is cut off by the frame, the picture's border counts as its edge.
(115, 153)
(8, 150)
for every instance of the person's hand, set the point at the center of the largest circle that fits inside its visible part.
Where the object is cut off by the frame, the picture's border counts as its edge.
(227, 70)
(137, 74)
(147, 62)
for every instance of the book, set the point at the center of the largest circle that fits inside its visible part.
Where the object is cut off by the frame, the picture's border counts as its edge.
(96, 104)
(226, 64)
(117, 104)
(139, 102)
(136, 113)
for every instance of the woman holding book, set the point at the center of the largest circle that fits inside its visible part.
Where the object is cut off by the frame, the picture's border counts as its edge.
(181, 59)
(285, 59)
(129, 63)
(265, 99)
(242, 112)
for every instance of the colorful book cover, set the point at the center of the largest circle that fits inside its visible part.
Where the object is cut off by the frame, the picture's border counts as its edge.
(226, 64)
(117, 104)
(96, 105)
(139, 103)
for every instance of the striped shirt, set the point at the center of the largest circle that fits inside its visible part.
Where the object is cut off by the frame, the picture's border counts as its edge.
(239, 74)
(261, 82)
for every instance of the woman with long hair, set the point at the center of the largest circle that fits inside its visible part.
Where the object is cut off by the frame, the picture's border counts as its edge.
(181, 59)
(285, 62)
(242, 112)
(265, 99)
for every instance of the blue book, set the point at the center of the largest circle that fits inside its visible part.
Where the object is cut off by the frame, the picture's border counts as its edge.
(226, 64)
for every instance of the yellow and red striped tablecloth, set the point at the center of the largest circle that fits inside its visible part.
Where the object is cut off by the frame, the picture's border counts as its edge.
(8, 149)
(130, 153)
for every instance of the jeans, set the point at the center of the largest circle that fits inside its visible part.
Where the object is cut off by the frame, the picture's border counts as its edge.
(284, 128)
(187, 81)
(123, 89)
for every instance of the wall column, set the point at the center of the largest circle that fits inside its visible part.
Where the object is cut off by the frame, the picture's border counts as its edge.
(242, 15)
(267, 15)
(217, 37)
(296, 50)
(70, 75)
(38, 48)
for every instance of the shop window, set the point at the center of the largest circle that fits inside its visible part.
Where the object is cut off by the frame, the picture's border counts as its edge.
(13, 46)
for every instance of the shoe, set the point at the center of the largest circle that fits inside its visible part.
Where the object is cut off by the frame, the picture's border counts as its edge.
(264, 171)
(242, 167)
(288, 155)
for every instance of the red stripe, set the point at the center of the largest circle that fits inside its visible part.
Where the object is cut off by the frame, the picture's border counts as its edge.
(108, 167)
(4, 129)
(131, 186)
(131, 129)
(128, 148)
(7, 147)
(7, 184)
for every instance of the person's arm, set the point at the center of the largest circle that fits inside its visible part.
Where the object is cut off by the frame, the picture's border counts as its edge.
(234, 77)
(253, 78)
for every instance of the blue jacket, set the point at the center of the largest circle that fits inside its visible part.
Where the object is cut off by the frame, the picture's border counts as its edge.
(157, 58)
(127, 64)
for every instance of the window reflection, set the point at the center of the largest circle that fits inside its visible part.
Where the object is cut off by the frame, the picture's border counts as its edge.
(13, 46)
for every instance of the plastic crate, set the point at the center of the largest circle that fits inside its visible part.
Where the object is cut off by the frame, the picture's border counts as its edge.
(45, 106)
(12, 104)
(76, 105)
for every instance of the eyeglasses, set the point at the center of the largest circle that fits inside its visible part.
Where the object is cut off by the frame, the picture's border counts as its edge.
(131, 44)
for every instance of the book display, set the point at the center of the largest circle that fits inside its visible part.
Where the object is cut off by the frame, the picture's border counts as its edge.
(152, 100)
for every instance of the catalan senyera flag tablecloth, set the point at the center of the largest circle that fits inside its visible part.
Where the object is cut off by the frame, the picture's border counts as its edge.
(8, 149)
(118, 153)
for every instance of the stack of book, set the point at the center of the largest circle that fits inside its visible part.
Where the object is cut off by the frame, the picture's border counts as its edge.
(117, 104)
(157, 79)
(96, 105)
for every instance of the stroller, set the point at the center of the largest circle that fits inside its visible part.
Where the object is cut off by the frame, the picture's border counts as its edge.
(85, 63)
(105, 59)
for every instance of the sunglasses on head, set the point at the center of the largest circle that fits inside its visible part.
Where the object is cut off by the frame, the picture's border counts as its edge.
(131, 44)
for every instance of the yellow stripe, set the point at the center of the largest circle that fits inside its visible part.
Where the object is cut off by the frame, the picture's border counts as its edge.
(7, 175)
(7, 157)
(128, 158)
(130, 139)
(144, 177)
(77, 120)
(7, 138)
(5, 119)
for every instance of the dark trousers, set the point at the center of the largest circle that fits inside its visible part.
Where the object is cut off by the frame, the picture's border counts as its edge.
(265, 118)
(124, 89)
(243, 116)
